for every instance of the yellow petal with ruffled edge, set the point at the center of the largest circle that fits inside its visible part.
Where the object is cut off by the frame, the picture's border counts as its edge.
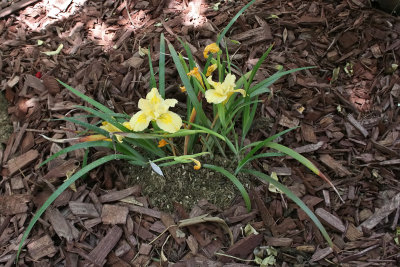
(215, 97)
(139, 121)
(169, 122)
(212, 83)
(229, 81)
(211, 48)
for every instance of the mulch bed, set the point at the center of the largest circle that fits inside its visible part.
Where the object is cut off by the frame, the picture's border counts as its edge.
(349, 127)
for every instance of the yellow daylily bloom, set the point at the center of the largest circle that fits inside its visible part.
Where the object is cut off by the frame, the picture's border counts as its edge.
(195, 73)
(211, 69)
(211, 48)
(222, 91)
(155, 108)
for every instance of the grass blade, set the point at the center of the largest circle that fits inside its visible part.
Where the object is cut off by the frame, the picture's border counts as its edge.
(300, 158)
(61, 189)
(295, 199)
(234, 180)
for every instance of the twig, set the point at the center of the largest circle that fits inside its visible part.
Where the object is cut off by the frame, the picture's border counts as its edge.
(15, 7)
(129, 14)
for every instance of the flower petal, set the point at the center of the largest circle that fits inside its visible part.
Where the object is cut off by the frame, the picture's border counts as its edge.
(170, 102)
(169, 122)
(213, 96)
(211, 69)
(212, 83)
(127, 125)
(243, 92)
(139, 121)
(211, 48)
(154, 96)
(144, 104)
(230, 81)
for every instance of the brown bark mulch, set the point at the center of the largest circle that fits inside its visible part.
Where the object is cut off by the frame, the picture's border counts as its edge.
(348, 122)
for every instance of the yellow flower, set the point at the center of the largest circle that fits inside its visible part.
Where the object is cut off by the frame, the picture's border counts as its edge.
(195, 73)
(211, 48)
(222, 91)
(162, 143)
(211, 69)
(155, 108)
(111, 128)
(183, 89)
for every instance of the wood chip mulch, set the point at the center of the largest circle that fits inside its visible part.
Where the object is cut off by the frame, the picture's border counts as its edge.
(348, 122)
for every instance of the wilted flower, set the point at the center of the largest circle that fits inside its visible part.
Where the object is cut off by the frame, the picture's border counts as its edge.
(222, 91)
(195, 73)
(211, 48)
(155, 108)
(211, 69)
(162, 143)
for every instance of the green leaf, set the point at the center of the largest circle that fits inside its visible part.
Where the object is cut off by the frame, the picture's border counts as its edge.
(211, 132)
(161, 67)
(61, 189)
(192, 62)
(295, 199)
(257, 147)
(180, 133)
(189, 89)
(105, 117)
(258, 64)
(234, 180)
(86, 125)
(300, 158)
(87, 99)
(152, 83)
(233, 20)
(262, 87)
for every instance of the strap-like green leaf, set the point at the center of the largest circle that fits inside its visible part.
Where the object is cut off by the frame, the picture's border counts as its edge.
(234, 180)
(63, 187)
(295, 199)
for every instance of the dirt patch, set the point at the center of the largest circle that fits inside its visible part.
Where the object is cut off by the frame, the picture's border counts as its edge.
(181, 183)
(5, 124)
